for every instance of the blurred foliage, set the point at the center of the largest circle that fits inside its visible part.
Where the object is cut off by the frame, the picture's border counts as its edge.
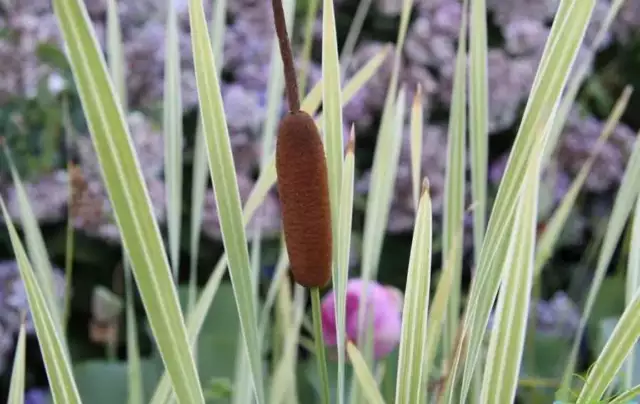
(106, 382)
(33, 131)
(33, 127)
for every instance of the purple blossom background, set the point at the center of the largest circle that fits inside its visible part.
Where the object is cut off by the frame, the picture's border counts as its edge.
(518, 31)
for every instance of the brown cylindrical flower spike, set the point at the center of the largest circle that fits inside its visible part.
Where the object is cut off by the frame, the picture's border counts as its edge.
(303, 185)
(304, 199)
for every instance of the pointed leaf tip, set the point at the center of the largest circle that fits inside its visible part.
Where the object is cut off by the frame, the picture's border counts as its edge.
(425, 186)
(417, 96)
(351, 146)
(471, 207)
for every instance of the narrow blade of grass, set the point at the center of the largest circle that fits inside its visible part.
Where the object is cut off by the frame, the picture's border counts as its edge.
(200, 173)
(632, 287)
(383, 176)
(576, 80)
(241, 378)
(16, 388)
(172, 125)
(625, 397)
(195, 321)
(313, 100)
(70, 239)
(225, 185)
(560, 51)
(217, 29)
(36, 248)
(478, 118)
(57, 363)
(438, 310)
(200, 180)
(116, 68)
(413, 342)
(363, 375)
(382, 182)
(453, 206)
(332, 109)
(620, 344)
(623, 204)
(284, 375)
(506, 344)
(320, 352)
(341, 267)
(115, 53)
(133, 350)
(384, 163)
(274, 286)
(355, 28)
(265, 181)
(129, 197)
(305, 54)
(548, 240)
(379, 200)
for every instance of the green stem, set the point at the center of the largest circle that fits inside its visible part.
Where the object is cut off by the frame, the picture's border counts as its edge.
(68, 262)
(312, 10)
(320, 352)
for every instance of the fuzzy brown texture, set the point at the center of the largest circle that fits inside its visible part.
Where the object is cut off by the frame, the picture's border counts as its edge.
(86, 207)
(303, 189)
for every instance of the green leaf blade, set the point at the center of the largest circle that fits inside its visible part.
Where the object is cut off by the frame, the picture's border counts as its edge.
(16, 388)
(478, 118)
(560, 52)
(332, 107)
(173, 144)
(555, 225)
(502, 370)
(57, 363)
(453, 207)
(363, 375)
(341, 266)
(222, 171)
(622, 207)
(129, 197)
(413, 342)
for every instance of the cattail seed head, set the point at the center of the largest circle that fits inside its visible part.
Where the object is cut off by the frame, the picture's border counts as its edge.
(303, 189)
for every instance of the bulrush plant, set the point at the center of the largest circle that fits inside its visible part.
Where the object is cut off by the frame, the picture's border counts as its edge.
(303, 189)
(315, 180)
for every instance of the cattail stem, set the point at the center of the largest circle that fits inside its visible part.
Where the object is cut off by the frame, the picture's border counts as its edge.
(320, 351)
(286, 53)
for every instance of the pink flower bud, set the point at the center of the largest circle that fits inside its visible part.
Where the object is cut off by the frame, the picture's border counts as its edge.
(386, 303)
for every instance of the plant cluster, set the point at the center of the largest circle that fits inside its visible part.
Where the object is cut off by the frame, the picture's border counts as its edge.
(434, 341)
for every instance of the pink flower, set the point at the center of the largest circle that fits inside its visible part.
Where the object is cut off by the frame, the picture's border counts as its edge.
(386, 303)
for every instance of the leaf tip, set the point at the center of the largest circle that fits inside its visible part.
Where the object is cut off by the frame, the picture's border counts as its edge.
(472, 207)
(351, 145)
(417, 98)
(425, 187)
